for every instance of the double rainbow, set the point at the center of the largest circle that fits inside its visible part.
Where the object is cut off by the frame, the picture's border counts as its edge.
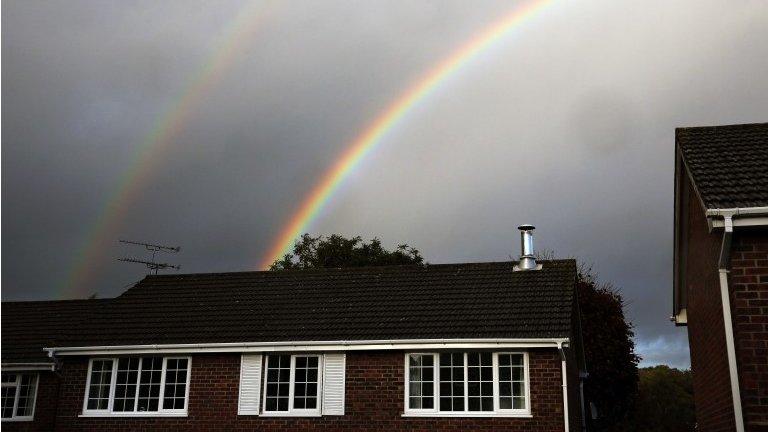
(391, 117)
(149, 156)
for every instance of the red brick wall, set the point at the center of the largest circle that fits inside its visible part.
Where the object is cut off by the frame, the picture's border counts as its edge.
(706, 332)
(374, 400)
(45, 406)
(749, 305)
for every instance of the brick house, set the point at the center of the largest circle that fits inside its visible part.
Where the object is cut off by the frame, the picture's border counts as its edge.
(481, 346)
(721, 271)
(30, 384)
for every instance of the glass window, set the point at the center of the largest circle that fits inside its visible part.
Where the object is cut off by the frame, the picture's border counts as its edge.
(421, 373)
(101, 382)
(452, 382)
(175, 384)
(292, 384)
(511, 381)
(305, 383)
(125, 384)
(8, 399)
(278, 383)
(17, 396)
(149, 383)
(130, 385)
(481, 382)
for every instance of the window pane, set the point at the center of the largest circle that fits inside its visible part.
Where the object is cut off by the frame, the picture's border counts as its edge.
(452, 382)
(480, 381)
(176, 372)
(7, 396)
(511, 381)
(26, 395)
(421, 377)
(278, 382)
(125, 384)
(101, 380)
(305, 382)
(149, 384)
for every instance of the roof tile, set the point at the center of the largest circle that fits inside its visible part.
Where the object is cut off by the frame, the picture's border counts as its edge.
(728, 164)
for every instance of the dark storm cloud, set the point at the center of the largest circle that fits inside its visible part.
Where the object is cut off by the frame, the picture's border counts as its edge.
(567, 124)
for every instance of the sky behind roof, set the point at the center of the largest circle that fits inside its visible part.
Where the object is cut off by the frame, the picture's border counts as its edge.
(567, 123)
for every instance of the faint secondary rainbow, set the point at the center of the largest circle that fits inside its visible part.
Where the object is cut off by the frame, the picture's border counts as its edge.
(389, 118)
(155, 146)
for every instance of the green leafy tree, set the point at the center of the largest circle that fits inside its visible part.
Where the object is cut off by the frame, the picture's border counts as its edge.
(609, 349)
(338, 251)
(665, 400)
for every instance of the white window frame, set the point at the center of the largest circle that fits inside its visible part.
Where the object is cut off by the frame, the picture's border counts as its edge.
(497, 412)
(161, 412)
(292, 412)
(17, 384)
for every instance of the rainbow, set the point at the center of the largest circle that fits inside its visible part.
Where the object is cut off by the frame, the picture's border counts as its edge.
(387, 120)
(156, 145)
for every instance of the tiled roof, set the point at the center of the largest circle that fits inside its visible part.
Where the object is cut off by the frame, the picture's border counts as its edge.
(481, 300)
(728, 164)
(30, 326)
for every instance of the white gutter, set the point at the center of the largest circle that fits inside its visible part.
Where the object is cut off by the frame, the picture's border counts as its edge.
(20, 367)
(565, 387)
(737, 211)
(751, 216)
(346, 345)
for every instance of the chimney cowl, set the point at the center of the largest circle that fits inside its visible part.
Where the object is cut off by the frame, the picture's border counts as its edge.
(527, 259)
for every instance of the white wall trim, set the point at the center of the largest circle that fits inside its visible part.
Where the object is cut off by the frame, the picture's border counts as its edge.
(310, 346)
(464, 414)
(138, 414)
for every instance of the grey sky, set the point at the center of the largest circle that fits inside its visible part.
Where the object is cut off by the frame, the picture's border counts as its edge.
(568, 124)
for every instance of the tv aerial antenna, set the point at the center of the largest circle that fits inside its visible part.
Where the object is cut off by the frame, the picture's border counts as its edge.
(154, 248)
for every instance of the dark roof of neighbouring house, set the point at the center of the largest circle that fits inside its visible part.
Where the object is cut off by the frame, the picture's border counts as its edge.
(479, 300)
(29, 326)
(728, 164)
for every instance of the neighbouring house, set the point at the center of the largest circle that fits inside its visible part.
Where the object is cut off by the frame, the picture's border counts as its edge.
(721, 271)
(480, 346)
(30, 383)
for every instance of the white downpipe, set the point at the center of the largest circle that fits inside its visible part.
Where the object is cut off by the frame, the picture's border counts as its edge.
(731, 348)
(730, 345)
(565, 387)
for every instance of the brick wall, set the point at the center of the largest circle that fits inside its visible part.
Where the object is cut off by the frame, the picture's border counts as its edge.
(374, 400)
(706, 332)
(749, 305)
(45, 406)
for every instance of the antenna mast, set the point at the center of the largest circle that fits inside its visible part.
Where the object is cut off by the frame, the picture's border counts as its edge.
(154, 248)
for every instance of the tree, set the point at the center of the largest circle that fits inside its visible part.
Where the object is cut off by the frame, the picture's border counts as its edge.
(610, 354)
(665, 400)
(338, 251)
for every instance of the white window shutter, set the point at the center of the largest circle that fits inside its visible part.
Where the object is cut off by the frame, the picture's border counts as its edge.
(333, 384)
(250, 385)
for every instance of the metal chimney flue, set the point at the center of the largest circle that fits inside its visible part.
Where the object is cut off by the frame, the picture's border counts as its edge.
(527, 258)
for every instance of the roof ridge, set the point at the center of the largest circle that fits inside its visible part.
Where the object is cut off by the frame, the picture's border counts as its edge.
(728, 126)
(59, 301)
(352, 269)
